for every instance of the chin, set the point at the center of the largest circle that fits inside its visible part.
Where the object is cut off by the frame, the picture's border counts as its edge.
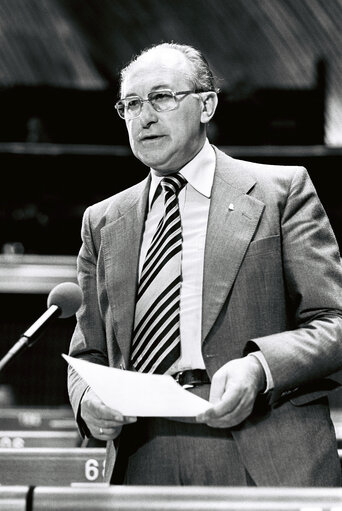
(164, 172)
(156, 164)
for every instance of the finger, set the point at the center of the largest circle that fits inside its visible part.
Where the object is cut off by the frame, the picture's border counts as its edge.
(221, 424)
(217, 390)
(124, 420)
(106, 430)
(230, 402)
(112, 423)
(231, 419)
(93, 406)
(218, 387)
(103, 412)
(117, 417)
(97, 410)
(130, 418)
(106, 433)
(228, 421)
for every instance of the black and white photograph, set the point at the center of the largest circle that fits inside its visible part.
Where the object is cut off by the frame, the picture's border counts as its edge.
(170, 255)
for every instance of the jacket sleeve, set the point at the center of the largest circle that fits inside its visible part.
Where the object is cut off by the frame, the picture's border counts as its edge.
(313, 278)
(88, 341)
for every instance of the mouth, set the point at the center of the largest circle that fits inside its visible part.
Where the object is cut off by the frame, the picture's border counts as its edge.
(150, 138)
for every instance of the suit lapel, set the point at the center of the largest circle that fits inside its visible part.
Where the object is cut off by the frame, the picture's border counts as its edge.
(233, 218)
(121, 241)
(229, 233)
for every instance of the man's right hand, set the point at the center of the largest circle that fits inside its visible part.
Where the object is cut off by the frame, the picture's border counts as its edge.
(103, 422)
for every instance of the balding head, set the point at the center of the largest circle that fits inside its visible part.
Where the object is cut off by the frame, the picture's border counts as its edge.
(194, 65)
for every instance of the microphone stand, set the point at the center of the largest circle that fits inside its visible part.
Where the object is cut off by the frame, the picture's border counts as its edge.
(31, 334)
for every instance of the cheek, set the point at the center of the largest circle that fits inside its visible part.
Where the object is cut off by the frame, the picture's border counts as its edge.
(186, 130)
(132, 133)
(129, 128)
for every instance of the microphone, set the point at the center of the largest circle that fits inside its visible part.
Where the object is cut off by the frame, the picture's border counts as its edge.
(63, 301)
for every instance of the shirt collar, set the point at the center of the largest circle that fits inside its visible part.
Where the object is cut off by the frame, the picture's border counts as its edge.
(199, 172)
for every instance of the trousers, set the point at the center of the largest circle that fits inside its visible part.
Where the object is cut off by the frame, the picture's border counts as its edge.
(160, 451)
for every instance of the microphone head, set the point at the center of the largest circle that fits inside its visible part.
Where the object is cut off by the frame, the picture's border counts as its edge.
(67, 296)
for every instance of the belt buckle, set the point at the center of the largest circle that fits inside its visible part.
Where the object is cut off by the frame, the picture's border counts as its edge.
(178, 376)
(185, 385)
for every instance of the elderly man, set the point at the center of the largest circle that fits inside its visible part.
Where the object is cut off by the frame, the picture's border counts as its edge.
(224, 274)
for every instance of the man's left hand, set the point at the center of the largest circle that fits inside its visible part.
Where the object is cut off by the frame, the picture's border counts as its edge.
(234, 388)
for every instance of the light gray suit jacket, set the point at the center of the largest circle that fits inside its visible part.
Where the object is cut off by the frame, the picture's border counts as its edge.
(272, 281)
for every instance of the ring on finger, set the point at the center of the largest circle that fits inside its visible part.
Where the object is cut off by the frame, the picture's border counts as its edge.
(101, 431)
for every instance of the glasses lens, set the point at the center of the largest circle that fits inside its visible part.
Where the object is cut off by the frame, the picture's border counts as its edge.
(129, 108)
(120, 108)
(132, 107)
(162, 100)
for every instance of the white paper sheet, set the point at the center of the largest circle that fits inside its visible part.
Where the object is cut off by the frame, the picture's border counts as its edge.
(139, 394)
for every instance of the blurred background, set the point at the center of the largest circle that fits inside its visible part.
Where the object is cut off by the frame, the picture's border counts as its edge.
(63, 147)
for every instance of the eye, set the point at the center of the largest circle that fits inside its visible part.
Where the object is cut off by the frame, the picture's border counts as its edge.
(132, 103)
(161, 96)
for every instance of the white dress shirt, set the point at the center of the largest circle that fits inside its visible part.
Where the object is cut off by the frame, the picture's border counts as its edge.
(194, 202)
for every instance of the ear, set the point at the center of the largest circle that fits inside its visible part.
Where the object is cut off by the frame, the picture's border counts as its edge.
(209, 104)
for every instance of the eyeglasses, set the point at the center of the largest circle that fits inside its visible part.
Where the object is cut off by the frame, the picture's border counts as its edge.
(161, 100)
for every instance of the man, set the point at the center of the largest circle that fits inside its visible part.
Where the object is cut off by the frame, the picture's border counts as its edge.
(252, 321)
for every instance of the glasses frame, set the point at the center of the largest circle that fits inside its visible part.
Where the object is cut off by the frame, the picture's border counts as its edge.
(148, 100)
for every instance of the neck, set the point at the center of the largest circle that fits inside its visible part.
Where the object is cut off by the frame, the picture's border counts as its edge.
(168, 172)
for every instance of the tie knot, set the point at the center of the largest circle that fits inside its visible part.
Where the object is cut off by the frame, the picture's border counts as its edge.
(173, 183)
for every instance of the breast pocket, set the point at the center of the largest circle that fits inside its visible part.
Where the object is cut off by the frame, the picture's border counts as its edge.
(264, 246)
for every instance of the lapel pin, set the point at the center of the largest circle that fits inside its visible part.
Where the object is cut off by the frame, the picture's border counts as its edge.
(231, 207)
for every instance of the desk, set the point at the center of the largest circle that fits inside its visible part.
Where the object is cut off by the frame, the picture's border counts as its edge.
(51, 466)
(35, 418)
(13, 498)
(20, 439)
(189, 498)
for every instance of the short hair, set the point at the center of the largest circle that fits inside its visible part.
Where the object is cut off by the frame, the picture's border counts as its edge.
(201, 75)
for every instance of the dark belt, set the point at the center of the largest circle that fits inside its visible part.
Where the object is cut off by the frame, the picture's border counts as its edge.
(191, 377)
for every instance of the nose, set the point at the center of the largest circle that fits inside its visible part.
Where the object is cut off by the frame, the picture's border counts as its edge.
(148, 115)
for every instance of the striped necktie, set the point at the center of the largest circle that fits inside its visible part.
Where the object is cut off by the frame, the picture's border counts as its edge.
(156, 335)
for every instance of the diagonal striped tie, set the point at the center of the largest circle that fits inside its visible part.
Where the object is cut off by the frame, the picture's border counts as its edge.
(156, 336)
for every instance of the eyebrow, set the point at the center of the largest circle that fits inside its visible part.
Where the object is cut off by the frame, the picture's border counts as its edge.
(156, 87)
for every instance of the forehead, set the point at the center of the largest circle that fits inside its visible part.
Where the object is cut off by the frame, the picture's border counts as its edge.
(160, 68)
